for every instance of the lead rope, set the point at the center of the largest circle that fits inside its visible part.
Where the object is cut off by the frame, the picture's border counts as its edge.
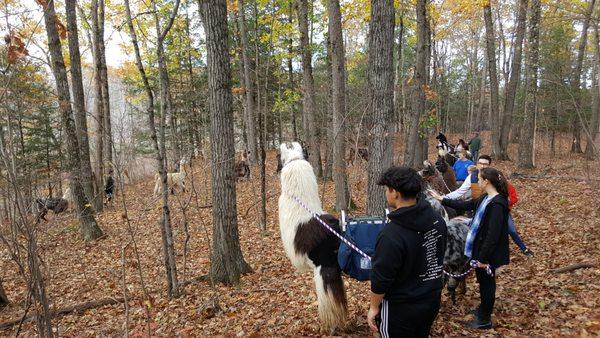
(328, 227)
(472, 263)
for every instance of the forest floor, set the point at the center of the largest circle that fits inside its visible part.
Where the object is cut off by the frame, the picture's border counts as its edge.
(556, 216)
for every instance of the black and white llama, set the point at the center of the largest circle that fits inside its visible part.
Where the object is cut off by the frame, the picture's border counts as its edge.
(309, 245)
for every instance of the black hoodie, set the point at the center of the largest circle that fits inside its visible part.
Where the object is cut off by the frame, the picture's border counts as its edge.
(409, 255)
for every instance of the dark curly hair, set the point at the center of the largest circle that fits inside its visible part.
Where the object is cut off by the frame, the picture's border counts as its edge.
(402, 179)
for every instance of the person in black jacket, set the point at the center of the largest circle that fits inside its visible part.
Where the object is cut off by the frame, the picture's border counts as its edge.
(406, 275)
(490, 242)
(109, 187)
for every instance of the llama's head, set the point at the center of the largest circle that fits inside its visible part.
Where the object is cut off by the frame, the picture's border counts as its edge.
(441, 164)
(428, 169)
(182, 163)
(290, 151)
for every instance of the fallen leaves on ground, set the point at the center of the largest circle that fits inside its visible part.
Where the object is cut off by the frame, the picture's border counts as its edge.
(557, 218)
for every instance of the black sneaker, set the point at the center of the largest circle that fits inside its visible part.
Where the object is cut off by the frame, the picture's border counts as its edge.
(528, 253)
(479, 324)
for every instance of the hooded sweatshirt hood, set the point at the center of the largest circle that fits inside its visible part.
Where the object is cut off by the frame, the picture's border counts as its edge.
(415, 218)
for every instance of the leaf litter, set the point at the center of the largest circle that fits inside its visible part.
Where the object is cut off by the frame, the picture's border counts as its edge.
(557, 219)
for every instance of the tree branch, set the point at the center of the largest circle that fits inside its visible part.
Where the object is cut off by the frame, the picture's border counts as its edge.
(171, 20)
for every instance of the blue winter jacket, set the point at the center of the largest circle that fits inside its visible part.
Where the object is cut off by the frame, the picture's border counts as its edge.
(460, 168)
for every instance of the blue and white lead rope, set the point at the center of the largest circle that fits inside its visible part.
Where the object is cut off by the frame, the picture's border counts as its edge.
(472, 263)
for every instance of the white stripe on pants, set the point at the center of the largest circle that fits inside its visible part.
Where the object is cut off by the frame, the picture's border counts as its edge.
(383, 326)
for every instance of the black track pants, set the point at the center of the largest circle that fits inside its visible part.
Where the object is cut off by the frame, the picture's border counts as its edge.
(407, 319)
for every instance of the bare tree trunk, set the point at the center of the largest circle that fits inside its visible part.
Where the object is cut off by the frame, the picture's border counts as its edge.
(513, 84)
(98, 98)
(250, 111)
(196, 122)
(165, 109)
(338, 68)
(526, 141)
(490, 39)
(79, 104)
(291, 76)
(88, 226)
(502, 38)
(576, 79)
(227, 261)
(591, 150)
(165, 224)
(413, 143)
(107, 131)
(308, 89)
(381, 87)
(478, 124)
(399, 76)
(328, 169)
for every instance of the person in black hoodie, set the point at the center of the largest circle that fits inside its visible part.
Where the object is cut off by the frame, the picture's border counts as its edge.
(406, 275)
(490, 242)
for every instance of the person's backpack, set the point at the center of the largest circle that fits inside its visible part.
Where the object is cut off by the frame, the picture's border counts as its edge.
(362, 232)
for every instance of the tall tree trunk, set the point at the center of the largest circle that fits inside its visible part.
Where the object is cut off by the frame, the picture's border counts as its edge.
(328, 169)
(88, 226)
(513, 84)
(527, 139)
(165, 224)
(591, 150)
(399, 76)
(338, 68)
(227, 261)
(381, 87)
(291, 72)
(478, 120)
(107, 131)
(196, 122)
(250, 111)
(490, 44)
(308, 89)
(576, 79)
(165, 110)
(413, 143)
(98, 98)
(79, 104)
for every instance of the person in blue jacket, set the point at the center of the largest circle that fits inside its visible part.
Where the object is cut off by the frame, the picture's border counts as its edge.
(461, 166)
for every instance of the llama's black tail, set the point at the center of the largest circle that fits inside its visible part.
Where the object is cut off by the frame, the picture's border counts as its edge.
(331, 295)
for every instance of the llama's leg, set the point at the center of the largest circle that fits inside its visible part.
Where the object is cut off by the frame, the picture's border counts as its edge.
(331, 296)
(462, 286)
(157, 186)
(452, 285)
(43, 213)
